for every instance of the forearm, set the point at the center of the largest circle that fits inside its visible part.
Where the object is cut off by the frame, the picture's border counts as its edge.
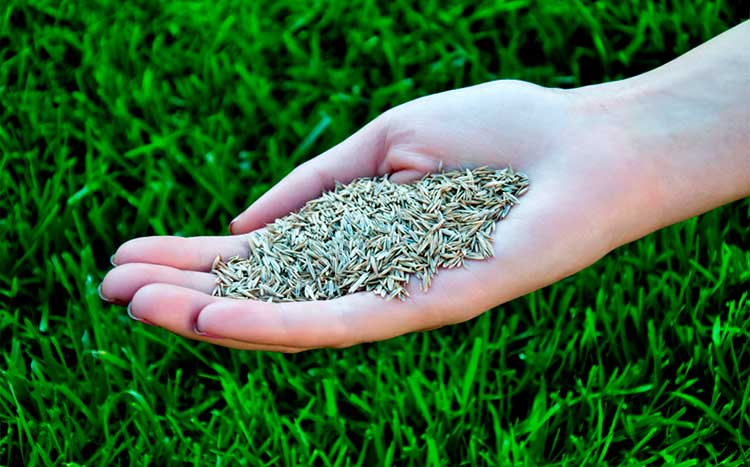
(686, 128)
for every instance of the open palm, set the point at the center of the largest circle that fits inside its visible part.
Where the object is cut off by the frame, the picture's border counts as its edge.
(564, 223)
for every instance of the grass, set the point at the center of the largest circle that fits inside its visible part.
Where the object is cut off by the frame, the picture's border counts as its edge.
(122, 119)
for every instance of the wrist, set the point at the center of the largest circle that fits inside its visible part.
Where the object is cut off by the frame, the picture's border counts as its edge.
(681, 141)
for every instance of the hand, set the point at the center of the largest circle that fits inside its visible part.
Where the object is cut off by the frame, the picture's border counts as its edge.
(564, 223)
(607, 164)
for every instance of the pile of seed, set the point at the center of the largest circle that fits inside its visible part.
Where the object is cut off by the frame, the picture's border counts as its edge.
(373, 234)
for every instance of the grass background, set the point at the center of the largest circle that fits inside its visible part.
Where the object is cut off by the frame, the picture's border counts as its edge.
(122, 119)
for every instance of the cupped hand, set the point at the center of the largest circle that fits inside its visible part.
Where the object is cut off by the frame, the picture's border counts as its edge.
(579, 171)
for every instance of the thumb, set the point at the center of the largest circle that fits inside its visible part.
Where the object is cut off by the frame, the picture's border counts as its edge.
(360, 155)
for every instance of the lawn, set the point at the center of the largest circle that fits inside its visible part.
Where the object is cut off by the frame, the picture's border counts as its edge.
(123, 119)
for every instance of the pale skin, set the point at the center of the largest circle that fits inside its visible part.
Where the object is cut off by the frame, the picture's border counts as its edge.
(607, 164)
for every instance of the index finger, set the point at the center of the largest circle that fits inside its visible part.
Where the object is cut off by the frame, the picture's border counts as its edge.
(188, 253)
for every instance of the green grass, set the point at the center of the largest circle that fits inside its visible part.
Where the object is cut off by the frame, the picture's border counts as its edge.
(122, 119)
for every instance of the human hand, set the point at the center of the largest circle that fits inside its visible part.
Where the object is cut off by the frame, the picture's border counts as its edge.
(564, 223)
(607, 164)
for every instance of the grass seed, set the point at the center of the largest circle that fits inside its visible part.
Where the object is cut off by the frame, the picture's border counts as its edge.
(373, 235)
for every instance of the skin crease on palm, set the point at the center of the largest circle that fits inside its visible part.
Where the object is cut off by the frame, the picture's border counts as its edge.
(607, 164)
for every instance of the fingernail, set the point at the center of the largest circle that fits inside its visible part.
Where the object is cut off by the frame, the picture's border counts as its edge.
(140, 320)
(231, 225)
(112, 260)
(203, 334)
(108, 300)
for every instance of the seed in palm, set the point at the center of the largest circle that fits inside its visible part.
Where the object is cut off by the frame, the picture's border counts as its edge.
(373, 235)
